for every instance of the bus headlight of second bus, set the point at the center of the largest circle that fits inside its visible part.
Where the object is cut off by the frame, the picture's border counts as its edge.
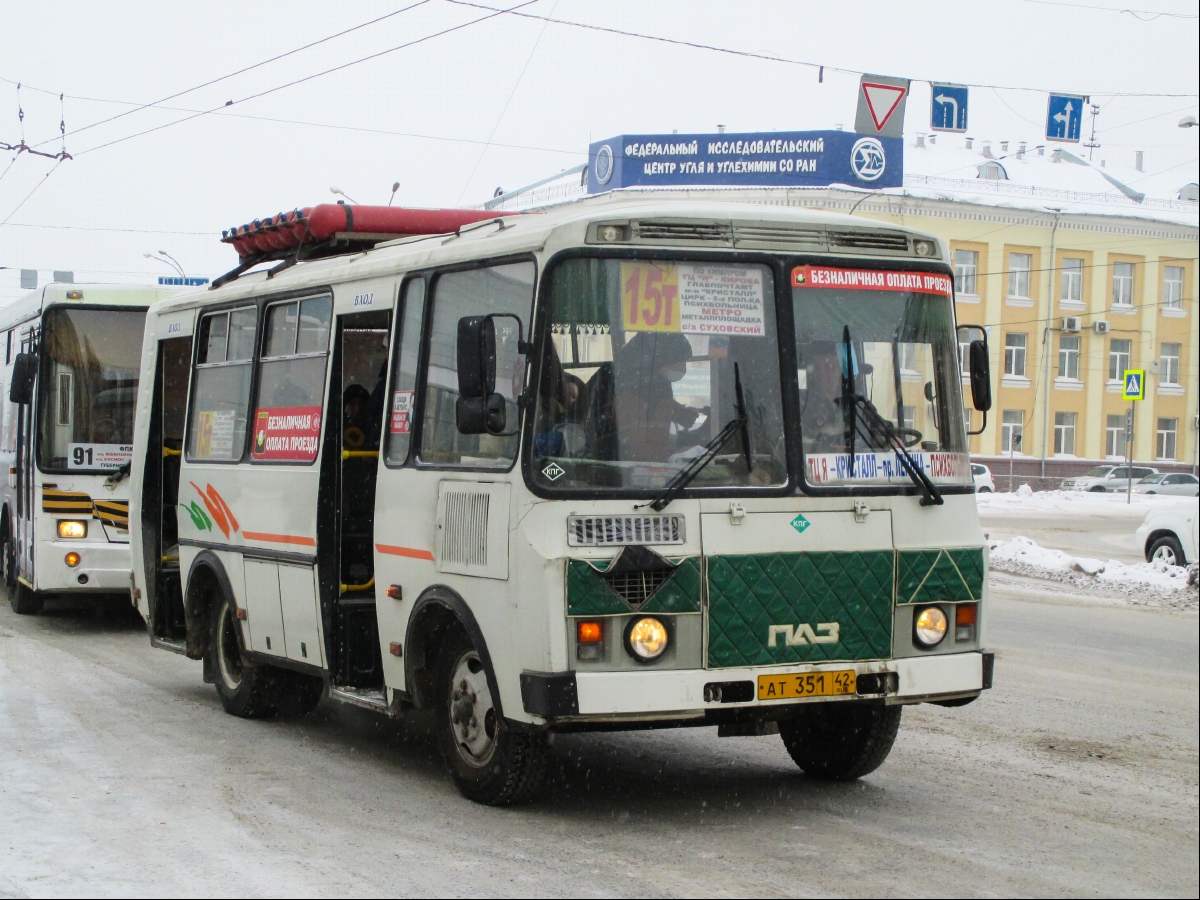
(929, 627)
(647, 639)
(72, 529)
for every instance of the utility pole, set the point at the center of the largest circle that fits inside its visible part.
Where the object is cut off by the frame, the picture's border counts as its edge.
(1050, 270)
(1091, 142)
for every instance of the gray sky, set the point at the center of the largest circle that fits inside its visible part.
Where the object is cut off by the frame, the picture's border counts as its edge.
(501, 102)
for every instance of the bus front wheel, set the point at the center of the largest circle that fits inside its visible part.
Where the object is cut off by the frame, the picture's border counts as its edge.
(489, 763)
(24, 601)
(841, 741)
(246, 690)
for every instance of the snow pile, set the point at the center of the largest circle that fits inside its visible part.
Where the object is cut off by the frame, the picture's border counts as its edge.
(1025, 501)
(1143, 584)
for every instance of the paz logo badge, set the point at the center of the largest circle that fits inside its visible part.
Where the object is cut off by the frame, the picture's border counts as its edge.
(553, 471)
(800, 524)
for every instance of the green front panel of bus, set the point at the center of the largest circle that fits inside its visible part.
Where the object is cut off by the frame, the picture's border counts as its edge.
(939, 576)
(748, 594)
(588, 594)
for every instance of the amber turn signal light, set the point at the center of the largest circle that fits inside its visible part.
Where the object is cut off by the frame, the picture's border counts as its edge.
(964, 613)
(590, 632)
(71, 559)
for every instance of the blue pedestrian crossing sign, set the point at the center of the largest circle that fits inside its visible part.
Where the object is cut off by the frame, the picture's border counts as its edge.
(1064, 117)
(1134, 387)
(948, 107)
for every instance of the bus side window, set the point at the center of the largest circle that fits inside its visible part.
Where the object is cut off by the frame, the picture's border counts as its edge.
(404, 374)
(221, 385)
(506, 289)
(291, 381)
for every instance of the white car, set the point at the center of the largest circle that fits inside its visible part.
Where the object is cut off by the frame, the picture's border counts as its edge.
(1179, 484)
(982, 476)
(1169, 533)
(1106, 478)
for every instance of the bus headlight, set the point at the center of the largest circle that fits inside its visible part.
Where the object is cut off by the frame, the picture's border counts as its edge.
(69, 528)
(929, 627)
(646, 640)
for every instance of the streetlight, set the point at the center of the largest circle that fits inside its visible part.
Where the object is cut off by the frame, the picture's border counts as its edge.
(339, 192)
(395, 187)
(163, 257)
(1188, 122)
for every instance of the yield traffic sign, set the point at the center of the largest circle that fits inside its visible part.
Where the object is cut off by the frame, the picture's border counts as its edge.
(881, 105)
(1134, 384)
(948, 107)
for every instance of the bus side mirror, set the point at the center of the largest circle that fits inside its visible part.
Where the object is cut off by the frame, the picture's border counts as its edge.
(479, 409)
(981, 376)
(23, 373)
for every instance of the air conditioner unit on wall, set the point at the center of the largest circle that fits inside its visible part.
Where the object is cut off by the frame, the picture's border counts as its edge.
(1070, 324)
(1100, 327)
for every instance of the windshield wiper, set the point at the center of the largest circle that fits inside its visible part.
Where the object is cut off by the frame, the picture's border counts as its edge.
(856, 407)
(687, 474)
(119, 473)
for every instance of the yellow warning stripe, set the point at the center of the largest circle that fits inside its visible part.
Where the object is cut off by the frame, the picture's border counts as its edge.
(110, 512)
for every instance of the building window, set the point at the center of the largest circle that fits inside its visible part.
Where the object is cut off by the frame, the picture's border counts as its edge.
(966, 267)
(1019, 265)
(1122, 287)
(1064, 433)
(1170, 364)
(1118, 358)
(1114, 436)
(964, 358)
(1072, 280)
(1014, 355)
(1012, 430)
(1166, 438)
(1068, 356)
(1173, 287)
(908, 416)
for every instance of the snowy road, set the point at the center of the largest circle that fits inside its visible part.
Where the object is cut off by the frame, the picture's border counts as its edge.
(120, 774)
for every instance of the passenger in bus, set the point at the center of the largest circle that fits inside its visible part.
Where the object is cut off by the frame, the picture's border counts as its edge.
(357, 426)
(644, 407)
(822, 421)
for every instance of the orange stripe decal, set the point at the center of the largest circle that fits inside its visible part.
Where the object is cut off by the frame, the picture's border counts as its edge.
(279, 538)
(404, 551)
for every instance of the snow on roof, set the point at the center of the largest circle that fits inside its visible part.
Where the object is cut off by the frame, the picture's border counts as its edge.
(944, 169)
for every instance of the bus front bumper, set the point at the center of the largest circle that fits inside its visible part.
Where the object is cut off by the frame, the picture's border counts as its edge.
(102, 568)
(691, 693)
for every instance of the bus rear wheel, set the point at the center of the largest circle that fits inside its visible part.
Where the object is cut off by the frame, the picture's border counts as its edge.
(246, 690)
(841, 741)
(489, 762)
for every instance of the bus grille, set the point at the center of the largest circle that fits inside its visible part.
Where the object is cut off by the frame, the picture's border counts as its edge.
(635, 588)
(771, 236)
(617, 531)
(868, 240)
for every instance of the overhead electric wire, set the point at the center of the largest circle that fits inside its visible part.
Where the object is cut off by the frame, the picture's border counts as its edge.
(242, 70)
(1136, 13)
(307, 78)
(13, 212)
(771, 57)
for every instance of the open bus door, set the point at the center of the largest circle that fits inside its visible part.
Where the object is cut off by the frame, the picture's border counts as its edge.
(24, 598)
(356, 405)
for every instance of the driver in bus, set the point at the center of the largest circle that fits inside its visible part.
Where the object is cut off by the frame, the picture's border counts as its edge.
(822, 421)
(644, 404)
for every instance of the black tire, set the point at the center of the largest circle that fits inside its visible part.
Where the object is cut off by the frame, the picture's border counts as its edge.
(247, 690)
(299, 693)
(24, 601)
(985, 490)
(1097, 490)
(8, 559)
(489, 763)
(841, 741)
(1167, 549)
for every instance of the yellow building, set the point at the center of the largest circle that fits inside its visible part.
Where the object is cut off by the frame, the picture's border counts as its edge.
(1078, 270)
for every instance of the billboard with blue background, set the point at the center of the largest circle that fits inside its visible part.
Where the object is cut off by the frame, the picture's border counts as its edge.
(760, 159)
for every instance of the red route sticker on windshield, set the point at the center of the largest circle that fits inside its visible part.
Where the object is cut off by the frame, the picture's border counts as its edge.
(871, 280)
(290, 432)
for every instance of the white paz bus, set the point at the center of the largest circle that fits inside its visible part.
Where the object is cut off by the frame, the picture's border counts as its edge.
(68, 386)
(616, 465)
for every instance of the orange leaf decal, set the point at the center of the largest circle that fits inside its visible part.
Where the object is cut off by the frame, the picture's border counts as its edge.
(214, 509)
(217, 498)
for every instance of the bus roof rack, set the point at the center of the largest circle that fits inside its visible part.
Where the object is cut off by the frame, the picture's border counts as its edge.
(333, 229)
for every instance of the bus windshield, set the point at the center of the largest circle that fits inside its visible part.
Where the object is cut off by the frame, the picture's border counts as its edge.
(88, 388)
(641, 370)
(877, 361)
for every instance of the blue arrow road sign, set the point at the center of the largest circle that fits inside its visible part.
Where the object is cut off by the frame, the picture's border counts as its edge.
(948, 107)
(1064, 117)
